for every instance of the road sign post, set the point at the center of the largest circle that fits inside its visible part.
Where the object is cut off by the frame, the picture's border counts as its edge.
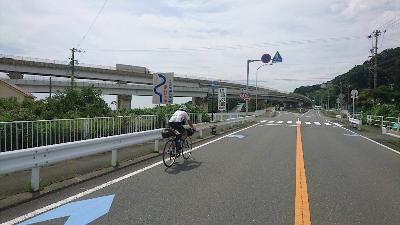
(163, 88)
(212, 99)
(354, 95)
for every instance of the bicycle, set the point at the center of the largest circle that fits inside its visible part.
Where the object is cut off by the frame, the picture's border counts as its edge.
(171, 153)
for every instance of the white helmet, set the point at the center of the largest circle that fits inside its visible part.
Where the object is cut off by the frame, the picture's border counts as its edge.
(183, 108)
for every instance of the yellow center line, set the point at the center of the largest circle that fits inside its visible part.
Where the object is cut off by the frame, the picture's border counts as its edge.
(302, 208)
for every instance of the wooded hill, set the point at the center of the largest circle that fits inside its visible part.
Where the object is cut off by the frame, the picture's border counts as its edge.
(360, 77)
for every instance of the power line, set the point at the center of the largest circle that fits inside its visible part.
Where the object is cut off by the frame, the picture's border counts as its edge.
(235, 46)
(93, 22)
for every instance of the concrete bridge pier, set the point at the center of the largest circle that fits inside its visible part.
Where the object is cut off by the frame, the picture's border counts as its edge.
(15, 75)
(124, 101)
(200, 102)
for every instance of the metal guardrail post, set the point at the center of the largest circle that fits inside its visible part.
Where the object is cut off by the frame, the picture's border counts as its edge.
(398, 123)
(114, 157)
(35, 178)
(156, 146)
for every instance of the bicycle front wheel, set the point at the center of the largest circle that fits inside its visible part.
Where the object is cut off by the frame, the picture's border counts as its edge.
(187, 145)
(169, 153)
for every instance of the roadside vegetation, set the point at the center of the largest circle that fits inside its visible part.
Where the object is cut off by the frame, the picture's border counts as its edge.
(76, 103)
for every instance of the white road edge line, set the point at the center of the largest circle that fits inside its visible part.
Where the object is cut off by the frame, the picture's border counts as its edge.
(89, 191)
(382, 145)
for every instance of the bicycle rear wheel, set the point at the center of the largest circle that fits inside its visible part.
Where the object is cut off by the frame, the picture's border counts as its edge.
(187, 145)
(169, 153)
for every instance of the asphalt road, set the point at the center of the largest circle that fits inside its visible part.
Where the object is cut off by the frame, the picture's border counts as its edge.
(251, 179)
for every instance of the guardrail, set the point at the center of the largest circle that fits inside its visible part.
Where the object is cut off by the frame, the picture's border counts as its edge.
(19, 135)
(34, 158)
(226, 116)
(384, 121)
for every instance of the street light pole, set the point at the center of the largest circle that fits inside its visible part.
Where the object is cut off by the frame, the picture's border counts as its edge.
(247, 81)
(262, 65)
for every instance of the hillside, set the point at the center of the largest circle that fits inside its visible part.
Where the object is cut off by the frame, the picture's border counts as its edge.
(383, 100)
(358, 76)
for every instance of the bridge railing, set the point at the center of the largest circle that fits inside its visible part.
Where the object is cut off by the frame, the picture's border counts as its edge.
(19, 135)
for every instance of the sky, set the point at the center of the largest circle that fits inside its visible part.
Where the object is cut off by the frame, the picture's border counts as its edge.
(317, 39)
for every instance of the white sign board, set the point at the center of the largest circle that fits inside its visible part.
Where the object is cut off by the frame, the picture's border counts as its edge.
(354, 93)
(163, 88)
(222, 99)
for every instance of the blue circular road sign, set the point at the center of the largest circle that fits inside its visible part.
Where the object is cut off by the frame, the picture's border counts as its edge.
(266, 58)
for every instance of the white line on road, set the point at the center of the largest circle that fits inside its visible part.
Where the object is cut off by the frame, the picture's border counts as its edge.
(263, 121)
(337, 124)
(271, 121)
(308, 123)
(89, 191)
(280, 121)
(382, 145)
(317, 123)
(289, 121)
(328, 124)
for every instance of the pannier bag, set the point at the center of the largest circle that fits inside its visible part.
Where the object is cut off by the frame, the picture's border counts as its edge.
(167, 133)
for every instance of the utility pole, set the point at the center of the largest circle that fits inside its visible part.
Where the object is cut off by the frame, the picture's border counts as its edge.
(72, 63)
(50, 89)
(375, 34)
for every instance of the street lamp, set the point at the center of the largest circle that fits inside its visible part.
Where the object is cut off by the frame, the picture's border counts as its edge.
(247, 81)
(262, 65)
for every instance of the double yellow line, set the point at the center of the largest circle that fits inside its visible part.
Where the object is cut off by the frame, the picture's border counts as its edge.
(302, 208)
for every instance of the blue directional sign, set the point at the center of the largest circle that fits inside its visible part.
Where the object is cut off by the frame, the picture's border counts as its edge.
(277, 57)
(240, 136)
(78, 213)
(266, 58)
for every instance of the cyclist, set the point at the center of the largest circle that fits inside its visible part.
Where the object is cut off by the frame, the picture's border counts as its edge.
(177, 120)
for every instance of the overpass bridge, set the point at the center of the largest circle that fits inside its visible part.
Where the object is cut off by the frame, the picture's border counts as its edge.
(122, 83)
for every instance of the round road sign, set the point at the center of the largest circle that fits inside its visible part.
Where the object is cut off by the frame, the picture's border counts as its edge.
(266, 58)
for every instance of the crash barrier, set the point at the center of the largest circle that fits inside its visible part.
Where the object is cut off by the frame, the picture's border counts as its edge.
(34, 158)
(384, 121)
(227, 116)
(19, 135)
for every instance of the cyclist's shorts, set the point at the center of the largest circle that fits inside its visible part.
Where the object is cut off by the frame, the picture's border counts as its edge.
(177, 126)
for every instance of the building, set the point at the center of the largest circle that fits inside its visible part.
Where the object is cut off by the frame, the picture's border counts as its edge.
(8, 90)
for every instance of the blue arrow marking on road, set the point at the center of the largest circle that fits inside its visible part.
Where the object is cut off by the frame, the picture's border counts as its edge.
(79, 213)
(351, 135)
(236, 136)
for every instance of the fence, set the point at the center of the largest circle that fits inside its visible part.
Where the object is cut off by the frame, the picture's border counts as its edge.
(29, 134)
(227, 116)
(384, 121)
(35, 158)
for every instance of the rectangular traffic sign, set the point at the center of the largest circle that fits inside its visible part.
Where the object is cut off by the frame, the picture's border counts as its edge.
(163, 88)
(222, 99)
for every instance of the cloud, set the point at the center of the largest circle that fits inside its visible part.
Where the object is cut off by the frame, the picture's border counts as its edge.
(202, 37)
